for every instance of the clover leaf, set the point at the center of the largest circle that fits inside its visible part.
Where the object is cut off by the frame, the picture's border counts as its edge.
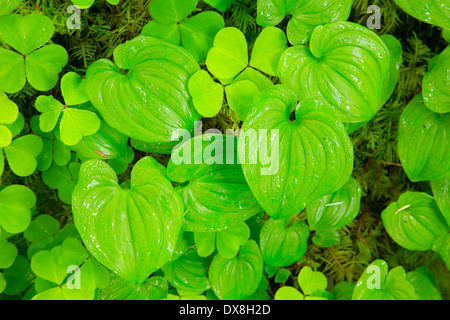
(63, 178)
(378, 283)
(16, 276)
(8, 6)
(170, 22)
(41, 227)
(40, 66)
(22, 153)
(305, 15)
(9, 253)
(8, 114)
(16, 202)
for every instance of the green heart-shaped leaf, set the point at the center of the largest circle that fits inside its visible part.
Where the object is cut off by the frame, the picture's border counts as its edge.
(22, 154)
(294, 162)
(171, 11)
(45, 265)
(8, 110)
(414, 221)
(229, 55)
(230, 240)
(288, 293)
(240, 97)
(131, 231)
(283, 244)
(73, 89)
(151, 103)
(50, 109)
(77, 123)
(345, 63)
(217, 195)
(207, 94)
(16, 202)
(41, 227)
(422, 142)
(12, 71)
(9, 254)
(436, 89)
(267, 50)
(237, 278)
(8, 6)
(312, 282)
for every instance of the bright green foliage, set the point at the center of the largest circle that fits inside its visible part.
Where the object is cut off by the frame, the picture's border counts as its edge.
(423, 285)
(216, 195)
(155, 288)
(16, 276)
(337, 209)
(63, 178)
(239, 277)
(306, 15)
(345, 63)
(414, 221)
(221, 5)
(162, 71)
(207, 94)
(283, 243)
(84, 4)
(41, 227)
(170, 22)
(40, 66)
(442, 247)
(378, 283)
(8, 114)
(9, 254)
(16, 202)
(436, 88)
(326, 238)
(188, 274)
(325, 165)
(441, 191)
(22, 153)
(148, 211)
(7, 7)
(435, 12)
(422, 142)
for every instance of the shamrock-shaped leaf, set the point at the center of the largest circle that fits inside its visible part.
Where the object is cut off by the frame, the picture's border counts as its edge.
(217, 195)
(414, 221)
(288, 293)
(63, 178)
(441, 192)
(344, 290)
(306, 15)
(132, 231)
(240, 97)
(188, 274)
(157, 110)
(22, 153)
(423, 146)
(221, 5)
(155, 288)
(8, 114)
(283, 243)
(377, 283)
(26, 34)
(169, 22)
(337, 209)
(267, 50)
(239, 277)
(434, 12)
(436, 89)
(16, 276)
(16, 202)
(9, 254)
(286, 170)
(207, 95)
(41, 227)
(345, 63)
(2, 283)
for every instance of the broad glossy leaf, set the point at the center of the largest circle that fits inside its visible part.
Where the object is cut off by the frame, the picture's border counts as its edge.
(337, 209)
(326, 238)
(436, 83)
(9, 254)
(76, 124)
(198, 32)
(423, 287)
(345, 63)
(283, 243)
(171, 11)
(155, 288)
(229, 241)
(240, 97)
(441, 192)
(377, 283)
(7, 7)
(131, 231)
(12, 71)
(312, 283)
(22, 154)
(26, 33)
(207, 94)
(106, 143)
(414, 221)
(44, 65)
(188, 273)
(442, 247)
(73, 89)
(16, 202)
(435, 12)
(221, 5)
(423, 146)
(151, 102)
(229, 55)
(306, 15)
(396, 52)
(237, 278)
(216, 195)
(41, 227)
(267, 50)
(294, 162)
